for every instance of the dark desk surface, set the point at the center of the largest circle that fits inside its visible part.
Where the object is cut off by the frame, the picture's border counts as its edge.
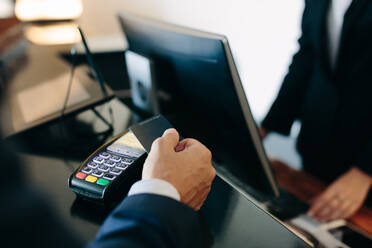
(232, 220)
(51, 154)
(49, 159)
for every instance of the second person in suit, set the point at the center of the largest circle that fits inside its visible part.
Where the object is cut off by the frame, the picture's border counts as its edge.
(328, 88)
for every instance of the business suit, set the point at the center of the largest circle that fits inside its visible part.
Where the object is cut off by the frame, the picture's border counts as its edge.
(334, 105)
(146, 220)
(143, 220)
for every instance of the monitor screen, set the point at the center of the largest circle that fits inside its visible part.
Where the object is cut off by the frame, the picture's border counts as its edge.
(205, 98)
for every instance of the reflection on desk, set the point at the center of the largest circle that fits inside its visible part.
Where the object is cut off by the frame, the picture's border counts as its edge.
(235, 221)
(229, 219)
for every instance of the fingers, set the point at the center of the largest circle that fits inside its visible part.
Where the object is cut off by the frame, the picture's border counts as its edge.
(185, 143)
(186, 164)
(197, 148)
(171, 137)
(180, 146)
(343, 197)
(316, 205)
(191, 143)
(332, 207)
(343, 211)
(323, 207)
(169, 140)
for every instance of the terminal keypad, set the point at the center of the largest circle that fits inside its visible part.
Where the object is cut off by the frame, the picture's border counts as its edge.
(104, 168)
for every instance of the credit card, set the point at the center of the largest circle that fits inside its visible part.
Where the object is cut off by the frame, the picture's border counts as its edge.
(149, 130)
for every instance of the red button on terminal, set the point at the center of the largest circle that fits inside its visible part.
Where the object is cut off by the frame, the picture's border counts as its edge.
(81, 175)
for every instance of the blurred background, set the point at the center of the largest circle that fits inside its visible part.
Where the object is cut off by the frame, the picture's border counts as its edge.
(262, 34)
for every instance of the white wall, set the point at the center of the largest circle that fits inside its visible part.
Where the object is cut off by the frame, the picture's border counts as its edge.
(6, 8)
(262, 33)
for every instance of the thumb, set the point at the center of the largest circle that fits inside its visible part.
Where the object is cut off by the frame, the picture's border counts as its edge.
(171, 137)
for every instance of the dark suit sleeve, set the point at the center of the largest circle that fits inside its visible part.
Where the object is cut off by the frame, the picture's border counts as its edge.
(364, 160)
(287, 106)
(364, 163)
(26, 217)
(147, 220)
(142, 220)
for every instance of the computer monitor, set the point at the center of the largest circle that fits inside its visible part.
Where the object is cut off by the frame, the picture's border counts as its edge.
(205, 96)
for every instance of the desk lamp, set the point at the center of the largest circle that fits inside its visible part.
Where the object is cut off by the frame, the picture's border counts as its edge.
(50, 21)
(48, 10)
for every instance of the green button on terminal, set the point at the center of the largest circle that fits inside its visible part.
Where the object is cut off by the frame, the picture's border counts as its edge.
(103, 182)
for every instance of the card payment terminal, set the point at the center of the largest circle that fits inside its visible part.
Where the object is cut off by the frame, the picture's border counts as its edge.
(109, 172)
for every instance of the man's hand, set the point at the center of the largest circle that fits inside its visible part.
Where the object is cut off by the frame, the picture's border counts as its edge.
(186, 165)
(343, 197)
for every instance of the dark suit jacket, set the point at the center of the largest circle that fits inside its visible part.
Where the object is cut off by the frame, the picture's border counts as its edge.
(146, 220)
(27, 220)
(333, 105)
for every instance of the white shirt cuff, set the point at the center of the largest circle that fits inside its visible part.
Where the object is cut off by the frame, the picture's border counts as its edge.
(155, 186)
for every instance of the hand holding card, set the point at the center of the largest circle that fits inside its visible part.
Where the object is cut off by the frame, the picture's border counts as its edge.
(150, 129)
(186, 165)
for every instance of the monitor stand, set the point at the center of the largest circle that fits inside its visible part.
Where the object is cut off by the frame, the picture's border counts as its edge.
(284, 207)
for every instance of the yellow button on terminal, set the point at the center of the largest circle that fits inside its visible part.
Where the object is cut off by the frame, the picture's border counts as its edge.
(91, 179)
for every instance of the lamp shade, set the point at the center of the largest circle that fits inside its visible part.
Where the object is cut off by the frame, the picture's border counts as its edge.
(61, 33)
(48, 10)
